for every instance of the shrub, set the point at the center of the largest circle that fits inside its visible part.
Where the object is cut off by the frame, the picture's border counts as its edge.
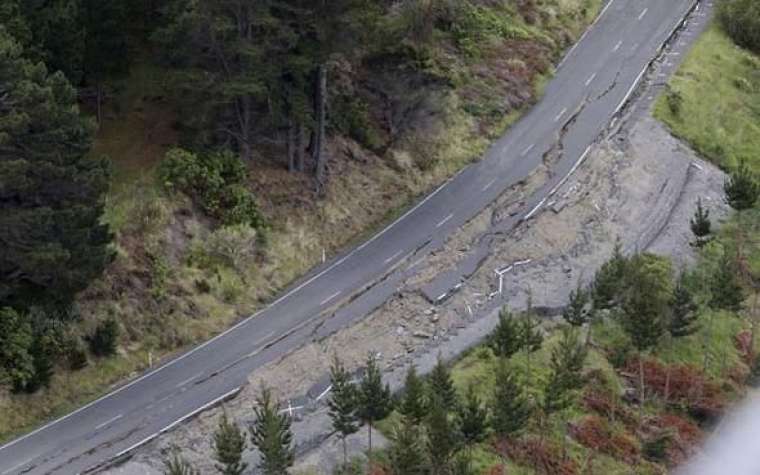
(741, 20)
(76, 354)
(229, 246)
(105, 338)
(675, 102)
(216, 182)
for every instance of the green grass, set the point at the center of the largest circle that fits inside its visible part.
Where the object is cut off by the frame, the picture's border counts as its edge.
(720, 86)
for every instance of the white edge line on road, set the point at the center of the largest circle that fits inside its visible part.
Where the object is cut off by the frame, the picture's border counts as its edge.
(113, 419)
(330, 298)
(173, 424)
(237, 325)
(444, 220)
(527, 150)
(585, 33)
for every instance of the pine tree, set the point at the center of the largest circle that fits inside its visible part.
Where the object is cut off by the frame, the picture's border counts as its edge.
(271, 435)
(509, 408)
(413, 403)
(443, 437)
(725, 289)
(648, 290)
(407, 454)
(178, 466)
(742, 188)
(505, 339)
(531, 338)
(568, 358)
(606, 289)
(683, 312)
(52, 197)
(473, 418)
(42, 354)
(440, 385)
(577, 312)
(16, 339)
(343, 403)
(229, 444)
(375, 401)
(700, 223)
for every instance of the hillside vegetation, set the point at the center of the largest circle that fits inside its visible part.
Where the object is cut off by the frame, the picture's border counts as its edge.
(307, 143)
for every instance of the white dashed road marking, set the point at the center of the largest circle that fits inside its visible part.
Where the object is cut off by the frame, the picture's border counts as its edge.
(527, 150)
(588, 81)
(113, 419)
(445, 220)
(330, 298)
(561, 113)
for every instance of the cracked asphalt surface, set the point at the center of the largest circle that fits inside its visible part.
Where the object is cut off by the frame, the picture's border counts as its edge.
(589, 88)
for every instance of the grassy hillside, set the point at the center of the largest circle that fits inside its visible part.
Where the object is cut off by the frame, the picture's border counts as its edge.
(713, 101)
(180, 278)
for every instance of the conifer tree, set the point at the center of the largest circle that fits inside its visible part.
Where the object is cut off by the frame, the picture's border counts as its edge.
(52, 194)
(42, 354)
(229, 444)
(271, 435)
(531, 338)
(375, 401)
(725, 289)
(441, 385)
(683, 311)
(343, 403)
(608, 280)
(509, 409)
(505, 339)
(473, 418)
(566, 365)
(646, 304)
(407, 453)
(577, 312)
(413, 402)
(742, 187)
(700, 223)
(443, 436)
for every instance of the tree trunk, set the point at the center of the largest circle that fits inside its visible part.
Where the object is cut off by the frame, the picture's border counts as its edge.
(345, 453)
(291, 145)
(245, 133)
(641, 388)
(318, 154)
(300, 148)
(99, 102)
(369, 445)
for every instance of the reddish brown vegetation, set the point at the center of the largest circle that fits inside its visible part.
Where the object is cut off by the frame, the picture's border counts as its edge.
(743, 343)
(608, 405)
(683, 385)
(596, 434)
(543, 456)
(686, 436)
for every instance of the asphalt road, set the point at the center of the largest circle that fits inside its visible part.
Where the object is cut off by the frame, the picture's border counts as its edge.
(589, 87)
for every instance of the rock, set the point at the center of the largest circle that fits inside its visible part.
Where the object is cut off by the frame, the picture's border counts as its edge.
(422, 335)
(435, 318)
(400, 330)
